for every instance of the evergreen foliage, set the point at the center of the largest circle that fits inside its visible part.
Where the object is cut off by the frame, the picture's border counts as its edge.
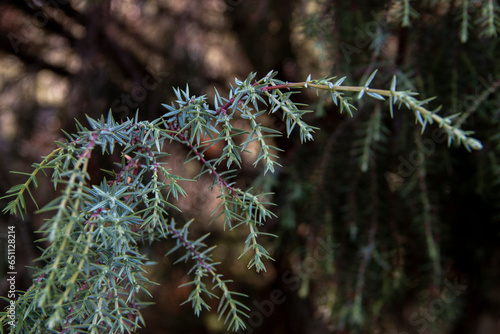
(93, 276)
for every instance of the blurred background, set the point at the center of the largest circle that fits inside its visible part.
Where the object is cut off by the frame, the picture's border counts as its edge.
(381, 229)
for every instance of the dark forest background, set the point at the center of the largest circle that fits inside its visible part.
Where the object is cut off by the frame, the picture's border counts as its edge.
(381, 229)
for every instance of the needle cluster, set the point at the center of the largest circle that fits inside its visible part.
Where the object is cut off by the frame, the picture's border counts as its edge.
(93, 274)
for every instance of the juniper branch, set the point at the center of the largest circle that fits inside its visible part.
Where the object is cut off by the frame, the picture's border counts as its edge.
(93, 257)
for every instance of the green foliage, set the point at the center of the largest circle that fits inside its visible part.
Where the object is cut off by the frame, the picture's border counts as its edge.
(93, 272)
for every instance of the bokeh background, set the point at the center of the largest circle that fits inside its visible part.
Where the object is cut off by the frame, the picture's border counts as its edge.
(381, 229)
